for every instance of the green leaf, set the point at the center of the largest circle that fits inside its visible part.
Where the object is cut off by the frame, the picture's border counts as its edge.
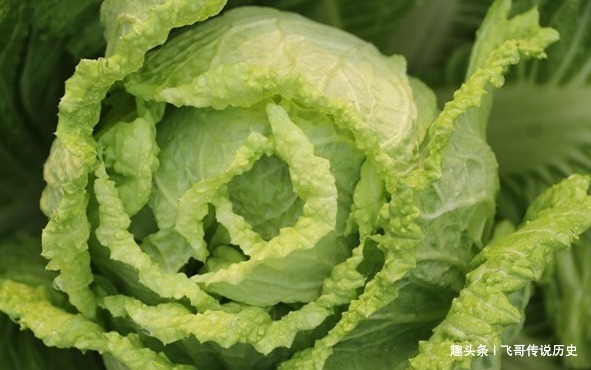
(129, 152)
(483, 309)
(58, 328)
(242, 324)
(21, 350)
(546, 103)
(128, 38)
(456, 189)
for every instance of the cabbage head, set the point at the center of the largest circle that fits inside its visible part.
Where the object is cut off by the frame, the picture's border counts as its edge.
(258, 191)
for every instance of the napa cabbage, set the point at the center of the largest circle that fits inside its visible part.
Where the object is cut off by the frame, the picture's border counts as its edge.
(235, 186)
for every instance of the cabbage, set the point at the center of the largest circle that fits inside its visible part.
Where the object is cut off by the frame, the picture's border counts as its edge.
(243, 187)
